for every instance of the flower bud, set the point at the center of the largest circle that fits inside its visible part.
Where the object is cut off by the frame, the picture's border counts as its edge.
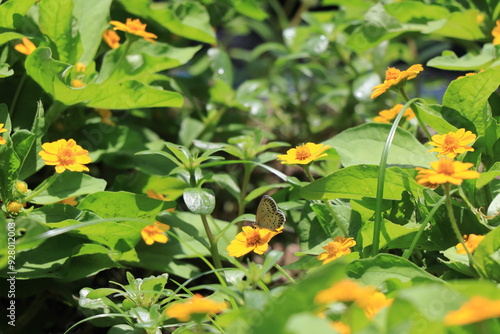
(21, 187)
(14, 207)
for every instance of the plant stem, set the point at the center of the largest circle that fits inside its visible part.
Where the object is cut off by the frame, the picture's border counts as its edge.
(284, 273)
(419, 119)
(247, 171)
(42, 187)
(16, 94)
(213, 243)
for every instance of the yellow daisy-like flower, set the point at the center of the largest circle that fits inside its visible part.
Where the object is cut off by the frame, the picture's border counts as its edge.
(155, 233)
(476, 309)
(453, 143)
(153, 194)
(373, 302)
(252, 238)
(496, 33)
(195, 305)
(135, 27)
(2, 130)
(386, 116)
(26, 47)
(304, 154)
(471, 242)
(65, 155)
(77, 83)
(445, 171)
(342, 291)
(111, 38)
(394, 77)
(70, 201)
(340, 246)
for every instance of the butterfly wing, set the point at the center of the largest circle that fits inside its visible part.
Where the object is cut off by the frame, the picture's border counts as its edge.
(268, 215)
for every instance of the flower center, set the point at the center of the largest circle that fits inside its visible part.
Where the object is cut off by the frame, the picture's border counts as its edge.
(253, 238)
(66, 157)
(303, 153)
(333, 248)
(392, 73)
(446, 167)
(450, 142)
(135, 26)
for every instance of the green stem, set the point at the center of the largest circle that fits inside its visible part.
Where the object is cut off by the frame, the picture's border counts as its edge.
(284, 273)
(16, 94)
(328, 205)
(407, 253)
(478, 215)
(213, 243)
(449, 206)
(417, 114)
(247, 171)
(41, 188)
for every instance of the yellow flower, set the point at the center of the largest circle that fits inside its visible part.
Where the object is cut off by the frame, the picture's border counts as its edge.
(21, 187)
(70, 201)
(153, 194)
(342, 291)
(304, 154)
(65, 155)
(155, 233)
(393, 77)
(445, 171)
(111, 38)
(340, 327)
(340, 246)
(135, 27)
(252, 238)
(475, 309)
(77, 83)
(496, 33)
(372, 302)
(2, 130)
(453, 143)
(195, 305)
(80, 67)
(26, 47)
(105, 116)
(469, 74)
(386, 116)
(14, 207)
(471, 242)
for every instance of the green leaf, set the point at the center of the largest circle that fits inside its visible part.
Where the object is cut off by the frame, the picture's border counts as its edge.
(356, 182)
(123, 95)
(461, 25)
(250, 8)
(364, 144)
(469, 62)
(9, 9)
(199, 201)
(8, 36)
(487, 255)
(5, 71)
(432, 116)
(187, 18)
(92, 18)
(391, 235)
(56, 21)
(376, 270)
(466, 99)
(487, 176)
(458, 262)
(69, 184)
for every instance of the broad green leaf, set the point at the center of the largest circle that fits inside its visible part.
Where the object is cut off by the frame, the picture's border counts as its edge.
(221, 65)
(391, 235)
(123, 95)
(467, 98)
(487, 176)
(199, 201)
(458, 262)
(376, 270)
(9, 9)
(432, 116)
(56, 22)
(92, 17)
(250, 8)
(416, 11)
(487, 255)
(364, 144)
(469, 62)
(187, 18)
(123, 204)
(356, 182)
(8, 36)
(461, 25)
(66, 185)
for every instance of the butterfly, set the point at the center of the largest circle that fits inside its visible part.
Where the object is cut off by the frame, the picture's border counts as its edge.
(268, 215)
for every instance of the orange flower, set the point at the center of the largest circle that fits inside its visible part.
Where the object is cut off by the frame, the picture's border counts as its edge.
(496, 33)
(195, 305)
(80, 67)
(342, 291)
(155, 233)
(469, 74)
(105, 116)
(453, 143)
(386, 116)
(77, 83)
(2, 130)
(253, 238)
(26, 47)
(111, 38)
(65, 155)
(373, 302)
(14, 207)
(340, 327)
(471, 242)
(394, 77)
(340, 246)
(135, 27)
(476, 309)
(70, 201)
(303, 155)
(445, 171)
(153, 194)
